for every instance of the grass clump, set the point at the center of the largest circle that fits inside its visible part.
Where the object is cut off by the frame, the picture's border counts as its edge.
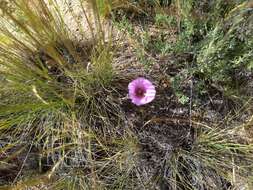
(57, 92)
(217, 160)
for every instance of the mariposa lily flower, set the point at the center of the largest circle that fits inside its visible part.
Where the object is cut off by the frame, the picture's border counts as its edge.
(141, 91)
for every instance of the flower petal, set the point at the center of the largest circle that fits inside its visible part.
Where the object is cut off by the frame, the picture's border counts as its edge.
(144, 84)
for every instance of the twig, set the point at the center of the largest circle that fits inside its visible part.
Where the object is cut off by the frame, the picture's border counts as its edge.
(23, 164)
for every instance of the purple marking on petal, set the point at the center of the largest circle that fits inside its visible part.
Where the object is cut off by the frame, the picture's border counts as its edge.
(141, 91)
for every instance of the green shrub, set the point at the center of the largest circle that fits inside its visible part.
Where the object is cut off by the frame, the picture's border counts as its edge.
(226, 54)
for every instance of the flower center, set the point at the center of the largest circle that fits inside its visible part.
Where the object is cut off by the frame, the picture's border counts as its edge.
(139, 92)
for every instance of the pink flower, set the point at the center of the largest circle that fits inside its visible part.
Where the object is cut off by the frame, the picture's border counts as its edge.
(141, 91)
